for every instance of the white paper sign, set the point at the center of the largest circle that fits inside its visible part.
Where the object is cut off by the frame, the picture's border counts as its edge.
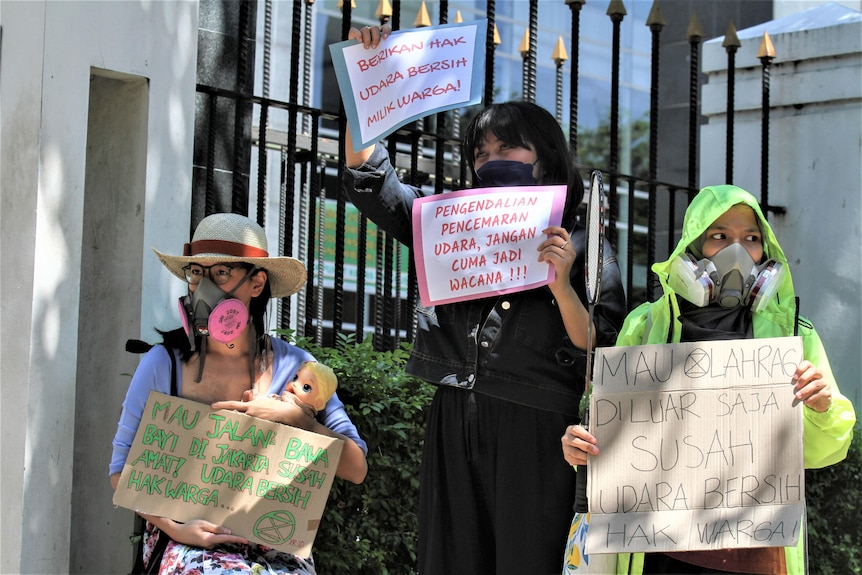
(409, 75)
(701, 447)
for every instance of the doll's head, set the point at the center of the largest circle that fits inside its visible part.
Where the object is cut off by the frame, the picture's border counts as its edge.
(314, 384)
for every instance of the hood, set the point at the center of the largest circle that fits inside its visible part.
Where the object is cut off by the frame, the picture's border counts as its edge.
(704, 209)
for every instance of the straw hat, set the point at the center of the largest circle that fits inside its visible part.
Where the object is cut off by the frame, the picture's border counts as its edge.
(226, 237)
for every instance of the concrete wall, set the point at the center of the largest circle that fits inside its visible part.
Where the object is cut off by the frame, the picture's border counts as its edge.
(97, 115)
(815, 161)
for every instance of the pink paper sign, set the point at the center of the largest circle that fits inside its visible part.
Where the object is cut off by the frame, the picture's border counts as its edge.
(478, 243)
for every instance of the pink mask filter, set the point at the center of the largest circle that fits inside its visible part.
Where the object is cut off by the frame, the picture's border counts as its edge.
(224, 323)
(227, 320)
(208, 311)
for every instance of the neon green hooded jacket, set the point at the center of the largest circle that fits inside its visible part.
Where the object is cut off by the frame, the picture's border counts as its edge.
(827, 435)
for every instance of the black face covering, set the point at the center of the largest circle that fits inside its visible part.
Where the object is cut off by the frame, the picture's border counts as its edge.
(497, 173)
(714, 322)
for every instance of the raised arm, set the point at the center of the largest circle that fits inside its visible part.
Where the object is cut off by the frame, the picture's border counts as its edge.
(370, 37)
(354, 159)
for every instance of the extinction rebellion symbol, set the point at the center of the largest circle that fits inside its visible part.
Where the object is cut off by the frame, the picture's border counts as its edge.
(275, 527)
(697, 363)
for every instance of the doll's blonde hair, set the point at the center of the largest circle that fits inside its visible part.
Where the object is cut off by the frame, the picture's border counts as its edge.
(327, 382)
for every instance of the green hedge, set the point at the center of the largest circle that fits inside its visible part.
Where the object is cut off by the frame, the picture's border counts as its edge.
(834, 496)
(371, 529)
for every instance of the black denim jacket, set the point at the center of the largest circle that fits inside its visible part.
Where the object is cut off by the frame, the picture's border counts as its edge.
(514, 346)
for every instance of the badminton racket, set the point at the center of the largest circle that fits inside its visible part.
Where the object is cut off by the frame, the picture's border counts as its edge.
(595, 225)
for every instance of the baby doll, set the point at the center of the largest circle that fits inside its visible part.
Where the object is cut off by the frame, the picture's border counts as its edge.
(312, 387)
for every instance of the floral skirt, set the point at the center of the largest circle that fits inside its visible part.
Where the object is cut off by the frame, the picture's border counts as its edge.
(576, 559)
(180, 559)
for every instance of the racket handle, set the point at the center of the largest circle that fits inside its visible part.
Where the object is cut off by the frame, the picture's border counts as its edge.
(581, 504)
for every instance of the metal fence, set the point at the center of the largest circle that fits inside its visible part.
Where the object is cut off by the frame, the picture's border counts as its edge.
(307, 144)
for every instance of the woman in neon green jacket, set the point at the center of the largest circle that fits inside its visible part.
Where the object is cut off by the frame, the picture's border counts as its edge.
(728, 278)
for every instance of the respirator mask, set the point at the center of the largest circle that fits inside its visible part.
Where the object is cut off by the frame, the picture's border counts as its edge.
(209, 311)
(497, 173)
(731, 278)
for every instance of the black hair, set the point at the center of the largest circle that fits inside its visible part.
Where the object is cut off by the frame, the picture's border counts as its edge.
(258, 306)
(524, 124)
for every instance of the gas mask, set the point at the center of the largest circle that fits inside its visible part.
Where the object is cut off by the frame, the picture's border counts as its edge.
(208, 311)
(731, 278)
(497, 173)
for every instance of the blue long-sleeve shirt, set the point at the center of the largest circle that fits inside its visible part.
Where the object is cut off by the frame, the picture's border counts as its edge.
(154, 374)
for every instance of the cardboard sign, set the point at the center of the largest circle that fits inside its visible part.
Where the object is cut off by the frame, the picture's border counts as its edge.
(409, 75)
(264, 481)
(475, 243)
(701, 447)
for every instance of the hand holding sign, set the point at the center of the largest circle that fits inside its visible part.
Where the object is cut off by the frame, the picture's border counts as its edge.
(369, 36)
(558, 251)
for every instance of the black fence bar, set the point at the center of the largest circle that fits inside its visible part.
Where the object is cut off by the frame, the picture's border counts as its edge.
(390, 269)
(491, 15)
(390, 303)
(242, 111)
(575, 7)
(315, 289)
(616, 12)
(315, 168)
(381, 290)
(530, 92)
(766, 54)
(630, 244)
(307, 326)
(731, 45)
(655, 23)
(306, 62)
(695, 36)
(209, 198)
(261, 166)
(361, 253)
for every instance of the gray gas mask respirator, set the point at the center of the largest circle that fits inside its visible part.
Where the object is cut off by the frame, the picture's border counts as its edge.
(209, 311)
(730, 278)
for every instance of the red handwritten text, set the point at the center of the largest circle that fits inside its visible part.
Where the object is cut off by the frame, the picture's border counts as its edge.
(438, 66)
(477, 281)
(484, 205)
(385, 53)
(446, 42)
(375, 89)
(419, 95)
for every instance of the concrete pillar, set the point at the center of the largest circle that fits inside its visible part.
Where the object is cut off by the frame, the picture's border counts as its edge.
(815, 161)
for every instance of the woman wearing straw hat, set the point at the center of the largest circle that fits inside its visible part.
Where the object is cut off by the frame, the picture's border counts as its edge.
(226, 359)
